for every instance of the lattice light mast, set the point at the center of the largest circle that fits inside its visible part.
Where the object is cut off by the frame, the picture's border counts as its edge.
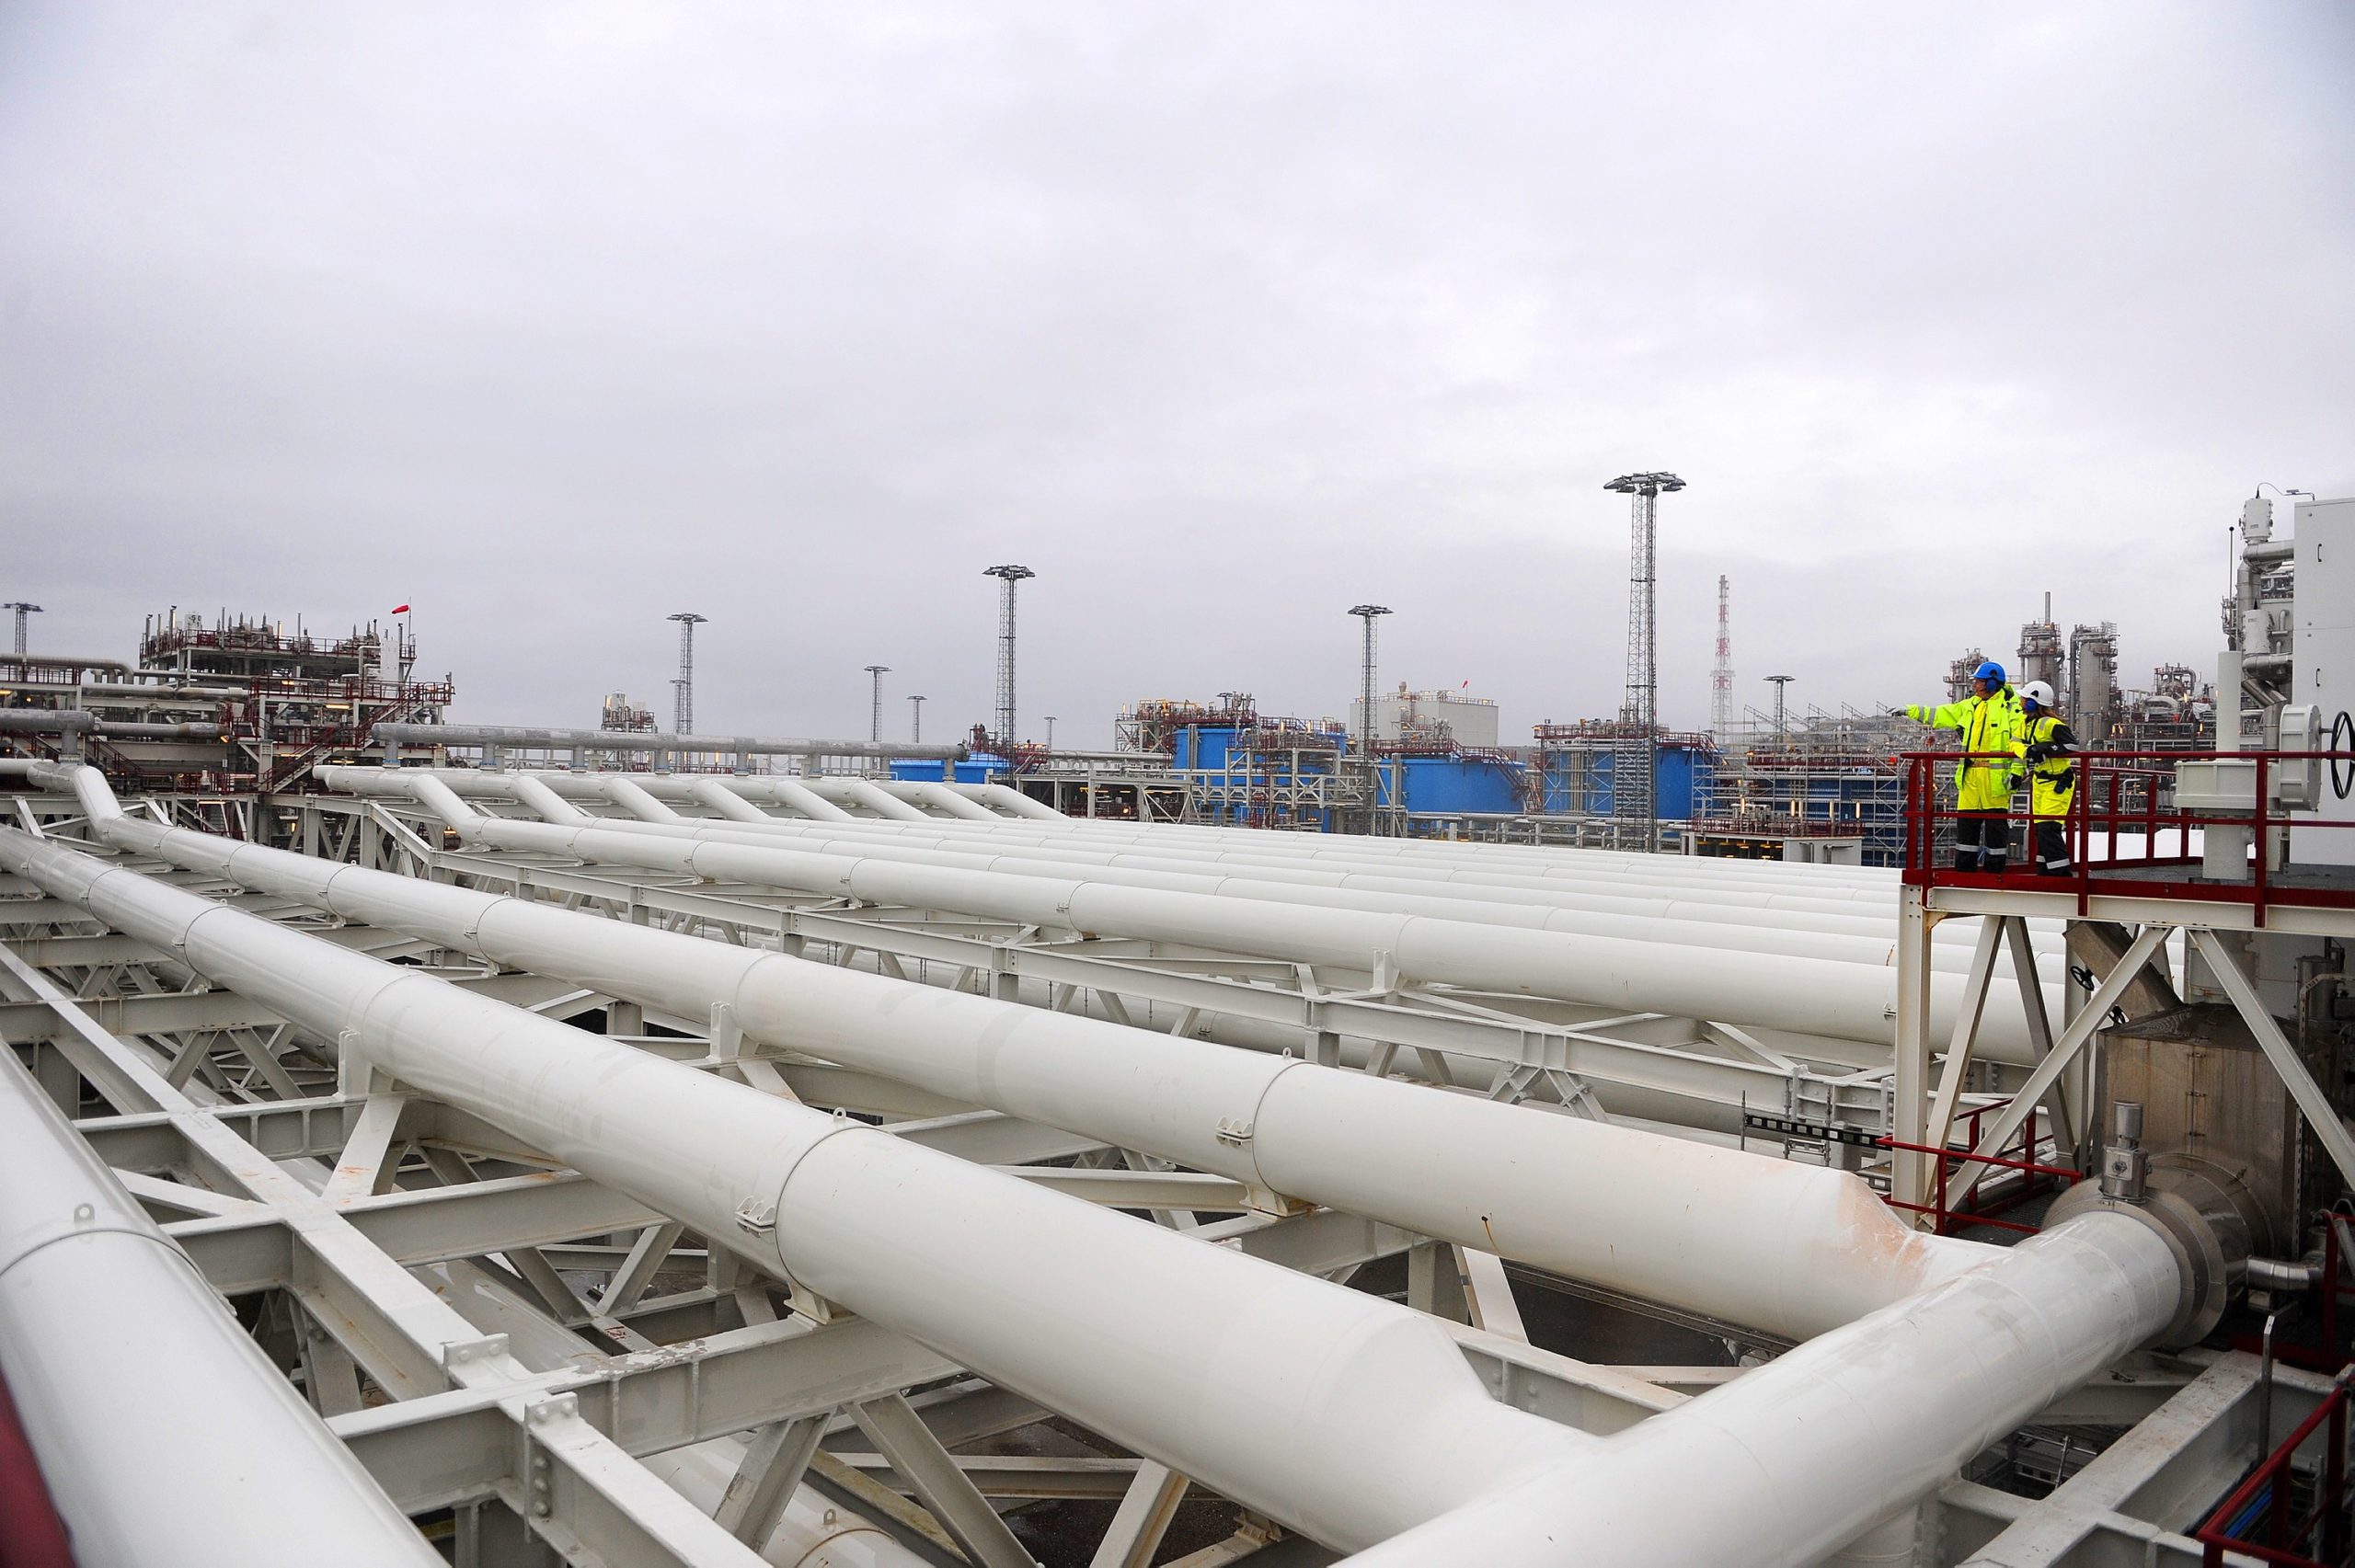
(22, 610)
(1635, 761)
(1721, 676)
(1781, 719)
(1366, 727)
(916, 718)
(875, 673)
(1008, 576)
(683, 721)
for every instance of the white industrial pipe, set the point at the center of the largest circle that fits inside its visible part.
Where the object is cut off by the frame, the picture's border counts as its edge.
(866, 796)
(1351, 1418)
(631, 740)
(1791, 1461)
(1791, 1249)
(1348, 1417)
(940, 799)
(1814, 996)
(1295, 852)
(1700, 876)
(1858, 938)
(167, 1438)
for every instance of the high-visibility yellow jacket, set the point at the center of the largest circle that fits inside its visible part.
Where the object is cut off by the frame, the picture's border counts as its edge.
(1986, 723)
(2052, 782)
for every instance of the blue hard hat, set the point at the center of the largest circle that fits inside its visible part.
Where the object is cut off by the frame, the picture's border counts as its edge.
(1991, 670)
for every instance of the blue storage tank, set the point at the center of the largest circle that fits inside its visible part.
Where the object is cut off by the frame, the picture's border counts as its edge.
(979, 768)
(1445, 785)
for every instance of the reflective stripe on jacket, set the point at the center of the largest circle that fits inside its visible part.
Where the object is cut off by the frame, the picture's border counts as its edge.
(1986, 723)
(2053, 781)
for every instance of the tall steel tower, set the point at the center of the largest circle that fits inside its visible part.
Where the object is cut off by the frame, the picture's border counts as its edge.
(915, 719)
(1009, 576)
(1367, 728)
(1781, 719)
(1721, 676)
(1635, 760)
(876, 672)
(684, 707)
(22, 610)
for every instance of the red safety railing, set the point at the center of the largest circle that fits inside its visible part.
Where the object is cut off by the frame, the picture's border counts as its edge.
(2118, 825)
(2035, 1178)
(2260, 1519)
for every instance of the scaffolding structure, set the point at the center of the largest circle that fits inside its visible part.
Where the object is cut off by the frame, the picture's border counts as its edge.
(1811, 787)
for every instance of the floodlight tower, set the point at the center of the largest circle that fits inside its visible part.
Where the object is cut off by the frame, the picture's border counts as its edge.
(684, 709)
(1366, 727)
(1050, 732)
(1721, 676)
(875, 672)
(916, 718)
(1634, 760)
(22, 610)
(1006, 650)
(1782, 727)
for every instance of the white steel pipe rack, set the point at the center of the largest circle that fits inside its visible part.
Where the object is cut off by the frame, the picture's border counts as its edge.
(1815, 996)
(120, 1359)
(1790, 1249)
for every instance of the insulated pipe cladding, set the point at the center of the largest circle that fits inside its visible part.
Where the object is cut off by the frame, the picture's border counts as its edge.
(1791, 1249)
(1354, 1420)
(1813, 996)
(101, 1315)
(1861, 939)
(1348, 1417)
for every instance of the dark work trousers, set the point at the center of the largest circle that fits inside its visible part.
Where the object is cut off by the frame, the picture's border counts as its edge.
(2049, 847)
(1983, 841)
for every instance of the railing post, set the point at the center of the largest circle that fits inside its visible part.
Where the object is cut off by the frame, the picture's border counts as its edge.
(1910, 1170)
(2333, 1487)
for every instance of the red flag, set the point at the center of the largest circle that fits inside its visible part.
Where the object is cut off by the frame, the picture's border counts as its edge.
(400, 609)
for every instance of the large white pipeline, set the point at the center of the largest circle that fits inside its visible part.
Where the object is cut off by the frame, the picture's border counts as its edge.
(120, 1359)
(1350, 1418)
(1791, 1249)
(1813, 996)
(1615, 895)
(1862, 939)
(1345, 1416)
(1833, 1436)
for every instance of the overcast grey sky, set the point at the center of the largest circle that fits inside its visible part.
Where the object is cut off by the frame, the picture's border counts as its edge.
(555, 319)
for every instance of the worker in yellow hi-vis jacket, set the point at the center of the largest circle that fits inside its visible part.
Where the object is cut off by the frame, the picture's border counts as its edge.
(1989, 720)
(2044, 744)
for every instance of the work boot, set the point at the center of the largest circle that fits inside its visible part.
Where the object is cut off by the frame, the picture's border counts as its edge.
(1966, 860)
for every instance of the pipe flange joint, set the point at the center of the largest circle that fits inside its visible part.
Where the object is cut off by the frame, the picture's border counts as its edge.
(2203, 1228)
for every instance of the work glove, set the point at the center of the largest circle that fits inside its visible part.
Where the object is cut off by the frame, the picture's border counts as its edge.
(1912, 711)
(2038, 752)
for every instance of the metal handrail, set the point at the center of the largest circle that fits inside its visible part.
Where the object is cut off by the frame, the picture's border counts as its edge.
(2219, 1532)
(2133, 811)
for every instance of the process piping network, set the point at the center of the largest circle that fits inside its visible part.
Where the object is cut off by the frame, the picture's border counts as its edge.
(1809, 995)
(1790, 1249)
(118, 1357)
(1792, 925)
(1348, 1418)
(494, 735)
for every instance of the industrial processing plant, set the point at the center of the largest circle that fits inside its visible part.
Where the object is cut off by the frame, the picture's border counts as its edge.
(629, 1144)
(936, 787)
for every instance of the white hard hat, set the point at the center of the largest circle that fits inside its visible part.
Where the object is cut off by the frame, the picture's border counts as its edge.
(2036, 692)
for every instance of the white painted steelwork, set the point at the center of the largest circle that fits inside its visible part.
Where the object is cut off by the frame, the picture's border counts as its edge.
(1856, 938)
(1810, 995)
(1795, 1459)
(1791, 1249)
(120, 1359)
(605, 742)
(1344, 1416)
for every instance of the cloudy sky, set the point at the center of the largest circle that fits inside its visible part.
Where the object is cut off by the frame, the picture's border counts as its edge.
(1223, 318)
